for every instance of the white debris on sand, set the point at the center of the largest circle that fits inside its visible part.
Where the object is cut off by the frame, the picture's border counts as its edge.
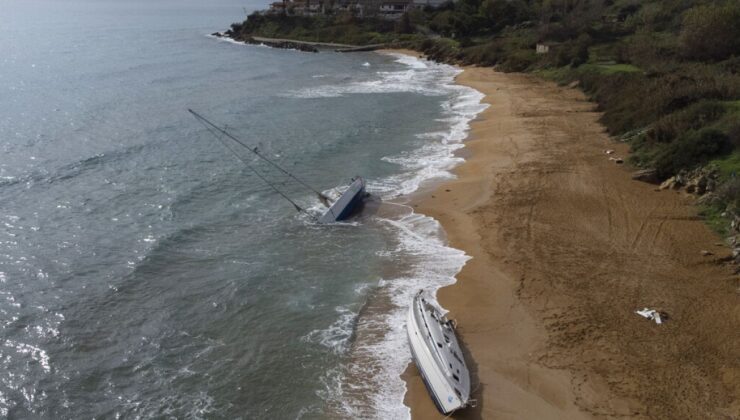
(650, 314)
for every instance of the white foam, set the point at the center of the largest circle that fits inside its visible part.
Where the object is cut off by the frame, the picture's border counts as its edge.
(226, 39)
(336, 336)
(233, 41)
(413, 62)
(420, 76)
(437, 157)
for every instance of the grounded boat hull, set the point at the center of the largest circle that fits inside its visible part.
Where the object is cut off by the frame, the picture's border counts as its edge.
(427, 330)
(347, 204)
(427, 385)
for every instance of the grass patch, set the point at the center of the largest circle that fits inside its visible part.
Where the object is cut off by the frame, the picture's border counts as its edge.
(728, 165)
(602, 53)
(557, 74)
(732, 106)
(609, 69)
(712, 216)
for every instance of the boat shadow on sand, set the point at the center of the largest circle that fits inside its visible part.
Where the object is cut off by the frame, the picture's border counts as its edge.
(475, 411)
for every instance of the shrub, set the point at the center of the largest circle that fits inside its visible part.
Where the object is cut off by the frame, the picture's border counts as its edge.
(728, 193)
(711, 32)
(443, 50)
(648, 50)
(519, 60)
(573, 52)
(556, 31)
(579, 50)
(658, 16)
(488, 54)
(690, 150)
(622, 112)
(693, 117)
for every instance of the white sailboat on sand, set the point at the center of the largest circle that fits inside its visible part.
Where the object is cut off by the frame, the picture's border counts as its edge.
(438, 356)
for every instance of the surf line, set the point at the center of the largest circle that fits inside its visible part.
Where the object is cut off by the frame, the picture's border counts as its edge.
(345, 206)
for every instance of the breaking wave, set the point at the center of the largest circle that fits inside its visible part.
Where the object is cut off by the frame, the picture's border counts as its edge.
(419, 76)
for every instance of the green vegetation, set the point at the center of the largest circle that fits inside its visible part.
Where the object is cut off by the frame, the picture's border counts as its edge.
(728, 166)
(715, 217)
(611, 68)
(343, 29)
(711, 32)
(665, 73)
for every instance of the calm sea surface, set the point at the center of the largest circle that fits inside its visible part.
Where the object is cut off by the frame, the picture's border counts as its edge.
(146, 272)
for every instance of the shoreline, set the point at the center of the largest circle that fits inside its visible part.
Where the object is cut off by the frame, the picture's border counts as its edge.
(451, 204)
(295, 44)
(536, 188)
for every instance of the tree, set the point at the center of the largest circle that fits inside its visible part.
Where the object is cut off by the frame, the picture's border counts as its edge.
(580, 50)
(468, 7)
(404, 25)
(498, 13)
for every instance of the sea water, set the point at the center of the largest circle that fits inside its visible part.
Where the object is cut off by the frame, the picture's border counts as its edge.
(147, 272)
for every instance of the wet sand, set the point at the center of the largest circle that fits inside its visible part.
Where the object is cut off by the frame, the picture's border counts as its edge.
(566, 246)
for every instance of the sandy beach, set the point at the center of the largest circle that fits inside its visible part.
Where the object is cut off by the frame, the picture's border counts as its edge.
(566, 246)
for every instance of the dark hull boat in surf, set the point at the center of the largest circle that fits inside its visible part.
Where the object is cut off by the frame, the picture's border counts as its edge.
(348, 203)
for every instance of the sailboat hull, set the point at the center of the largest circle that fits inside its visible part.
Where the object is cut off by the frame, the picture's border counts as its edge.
(438, 357)
(427, 384)
(350, 201)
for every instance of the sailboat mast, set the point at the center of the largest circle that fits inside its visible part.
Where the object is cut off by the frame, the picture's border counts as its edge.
(321, 196)
(254, 170)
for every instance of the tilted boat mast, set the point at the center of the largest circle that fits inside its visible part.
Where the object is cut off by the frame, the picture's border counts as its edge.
(324, 199)
(259, 175)
(218, 133)
(350, 200)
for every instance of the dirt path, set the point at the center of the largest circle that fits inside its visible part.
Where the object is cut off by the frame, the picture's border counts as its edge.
(565, 248)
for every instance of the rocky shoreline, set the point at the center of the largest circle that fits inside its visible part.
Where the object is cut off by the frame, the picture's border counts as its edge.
(283, 44)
